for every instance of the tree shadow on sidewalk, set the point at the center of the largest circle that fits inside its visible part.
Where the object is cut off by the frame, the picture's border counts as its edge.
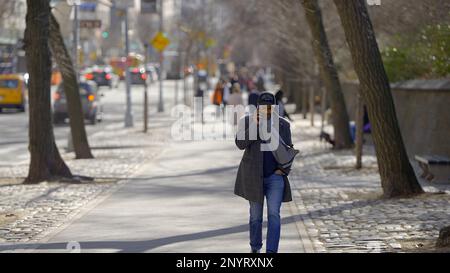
(208, 171)
(148, 245)
(122, 147)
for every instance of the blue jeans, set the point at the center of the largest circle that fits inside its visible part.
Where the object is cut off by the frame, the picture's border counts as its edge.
(273, 190)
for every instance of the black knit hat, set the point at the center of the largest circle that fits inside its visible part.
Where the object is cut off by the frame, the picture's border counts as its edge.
(266, 98)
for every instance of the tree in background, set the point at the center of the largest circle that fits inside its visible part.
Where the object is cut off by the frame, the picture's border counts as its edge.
(397, 175)
(7, 9)
(276, 39)
(396, 23)
(71, 89)
(324, 58)
(46, 162)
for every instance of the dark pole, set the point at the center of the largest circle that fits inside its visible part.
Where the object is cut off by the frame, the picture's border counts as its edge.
(128, 113)
(161, 58)
(146, 92)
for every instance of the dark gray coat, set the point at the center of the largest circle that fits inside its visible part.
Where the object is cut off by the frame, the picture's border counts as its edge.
(249, 180)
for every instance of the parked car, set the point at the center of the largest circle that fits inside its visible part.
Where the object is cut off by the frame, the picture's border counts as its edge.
(13, 92)
(90, 101)
(138, 75)
(101, 75)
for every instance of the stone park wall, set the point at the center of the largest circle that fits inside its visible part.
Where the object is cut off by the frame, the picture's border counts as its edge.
(423, 111)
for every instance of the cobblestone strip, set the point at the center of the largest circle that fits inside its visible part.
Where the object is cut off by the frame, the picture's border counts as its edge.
(28, 213)
(306, 240)
(342, 208)
(36, 217)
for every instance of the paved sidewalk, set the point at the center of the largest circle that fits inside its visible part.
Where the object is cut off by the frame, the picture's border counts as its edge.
(182, 201)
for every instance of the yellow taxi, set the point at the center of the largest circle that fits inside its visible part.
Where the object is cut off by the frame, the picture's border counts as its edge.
(13, 91)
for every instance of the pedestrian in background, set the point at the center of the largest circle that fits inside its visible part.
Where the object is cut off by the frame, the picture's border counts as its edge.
(280, 103)
(236, 96)
(226, 93)
(217, 97)
(235, 99)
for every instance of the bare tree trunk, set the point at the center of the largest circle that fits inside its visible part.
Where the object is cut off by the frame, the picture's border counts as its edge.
(187, 98)
(329, 74)
(304, 91)
(298, 96)
(397, 175)
(444, 237)
(46, 162)
(359, 131)
(71, 88)
(187, 52)
(311, 104)
(323, 107)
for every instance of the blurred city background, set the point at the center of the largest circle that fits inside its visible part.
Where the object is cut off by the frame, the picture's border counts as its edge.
(368, 103)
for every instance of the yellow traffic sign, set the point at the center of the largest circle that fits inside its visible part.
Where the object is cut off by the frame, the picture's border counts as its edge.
(210, 42)
(160, 41)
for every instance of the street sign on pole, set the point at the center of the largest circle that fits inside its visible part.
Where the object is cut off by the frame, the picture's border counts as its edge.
(88, 7)
(160, 41)
(122, 11)
(90, 24)
(210, 42)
